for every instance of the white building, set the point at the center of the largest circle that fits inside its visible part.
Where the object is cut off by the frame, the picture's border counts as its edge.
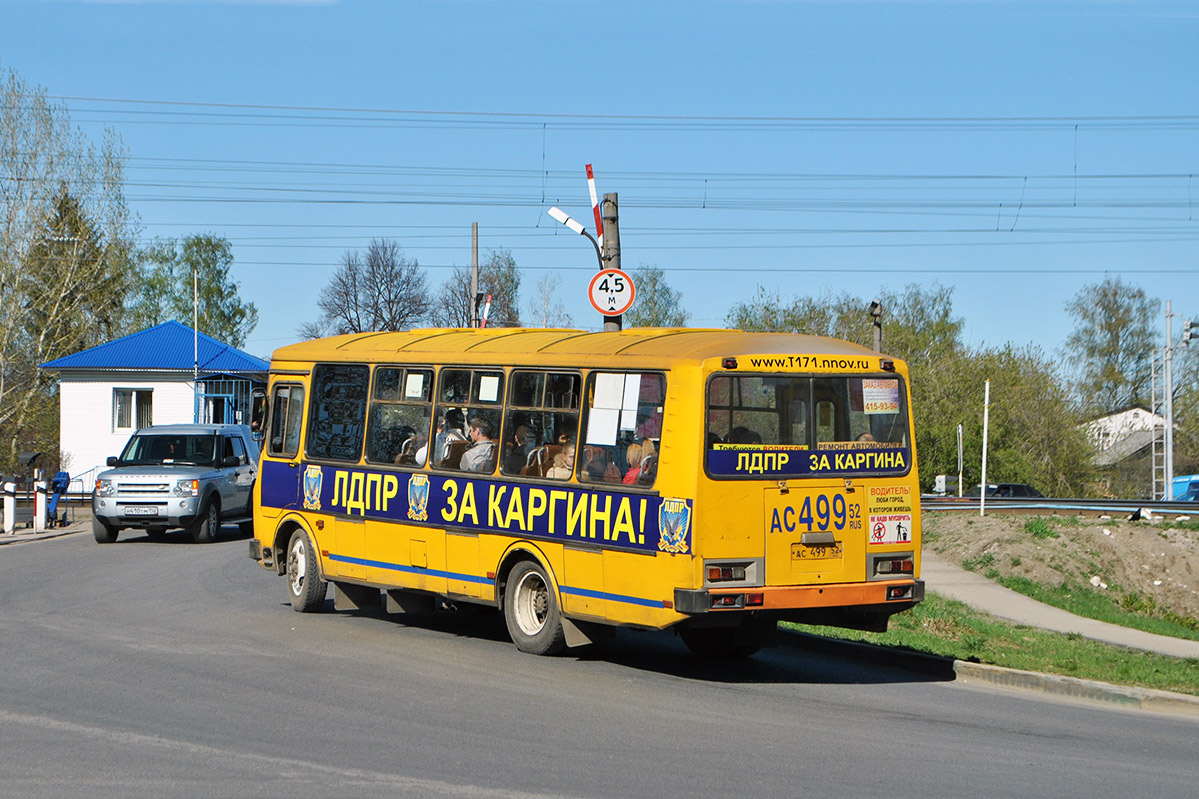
(108, 391)
(1123, 433)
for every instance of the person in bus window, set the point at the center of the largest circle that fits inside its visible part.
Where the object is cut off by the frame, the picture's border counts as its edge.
(522, 443)
(480, 457)
(743, 435)
(564, 463)
(450, 428)
(636, 455)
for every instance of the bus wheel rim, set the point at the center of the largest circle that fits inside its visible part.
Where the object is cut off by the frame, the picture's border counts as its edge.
(532, 603)
(297, 566)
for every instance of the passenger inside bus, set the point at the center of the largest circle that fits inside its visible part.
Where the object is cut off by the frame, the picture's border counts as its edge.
(480, 456)
(636, 455)
(449, 429)
(564, 463)
(743, 435)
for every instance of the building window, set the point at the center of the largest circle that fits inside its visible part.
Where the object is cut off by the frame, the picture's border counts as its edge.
(132, 408)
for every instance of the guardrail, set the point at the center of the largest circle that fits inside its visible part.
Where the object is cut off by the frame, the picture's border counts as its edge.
(1081, 507)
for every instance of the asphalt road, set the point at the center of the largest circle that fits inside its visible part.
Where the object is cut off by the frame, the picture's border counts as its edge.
(175, 669)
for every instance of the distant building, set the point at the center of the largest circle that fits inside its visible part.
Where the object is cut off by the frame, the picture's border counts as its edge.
(1122, 434)
(108, 391)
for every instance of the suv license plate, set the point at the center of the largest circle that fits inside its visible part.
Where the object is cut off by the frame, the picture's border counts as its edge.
(141, 511)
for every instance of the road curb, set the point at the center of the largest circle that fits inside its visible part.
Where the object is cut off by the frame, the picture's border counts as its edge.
(56, 532)
(949, 669)
(1125, 696)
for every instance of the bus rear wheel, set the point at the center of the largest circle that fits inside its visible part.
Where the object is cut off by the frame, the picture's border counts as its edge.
(531, 611)
(304, 584)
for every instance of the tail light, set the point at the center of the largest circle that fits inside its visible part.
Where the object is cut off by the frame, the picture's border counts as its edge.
(722, 574)
(894, 566)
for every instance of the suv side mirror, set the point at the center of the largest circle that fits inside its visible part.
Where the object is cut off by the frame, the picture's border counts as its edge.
(113, 460)
(230, 460)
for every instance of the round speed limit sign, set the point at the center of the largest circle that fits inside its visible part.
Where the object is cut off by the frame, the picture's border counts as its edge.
(611, 292)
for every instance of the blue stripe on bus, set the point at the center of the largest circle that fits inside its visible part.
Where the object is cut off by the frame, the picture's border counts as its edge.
(631, 600)
(470, 578)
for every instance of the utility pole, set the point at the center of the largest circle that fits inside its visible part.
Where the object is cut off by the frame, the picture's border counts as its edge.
(474, 274)
(1168, 401)
(611, 254)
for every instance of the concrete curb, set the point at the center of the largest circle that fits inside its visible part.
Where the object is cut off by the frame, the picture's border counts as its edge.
(56, 532)
(949, 670)
(1124, 696)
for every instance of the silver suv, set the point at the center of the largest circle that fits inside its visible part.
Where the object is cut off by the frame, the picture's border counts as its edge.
(193, 476)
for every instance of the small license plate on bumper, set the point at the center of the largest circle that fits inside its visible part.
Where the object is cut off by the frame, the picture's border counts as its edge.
(141, 510)
(818, 552)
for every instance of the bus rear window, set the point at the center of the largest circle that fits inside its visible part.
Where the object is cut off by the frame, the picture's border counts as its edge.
(789, 426)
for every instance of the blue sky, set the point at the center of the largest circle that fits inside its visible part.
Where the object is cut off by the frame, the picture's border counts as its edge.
(1012, 151)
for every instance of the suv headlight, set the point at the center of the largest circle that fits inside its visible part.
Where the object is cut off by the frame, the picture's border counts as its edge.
(105, 488)
(187, 488)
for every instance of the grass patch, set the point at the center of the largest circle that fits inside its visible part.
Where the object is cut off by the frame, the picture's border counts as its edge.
(942, 626)
(1129, 610)
(1040, 528)
(986, 560)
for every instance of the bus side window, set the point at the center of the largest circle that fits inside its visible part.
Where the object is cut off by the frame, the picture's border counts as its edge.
(466, 394)
(541, 417)
(622, 409)
(337, 412)
(401, 411)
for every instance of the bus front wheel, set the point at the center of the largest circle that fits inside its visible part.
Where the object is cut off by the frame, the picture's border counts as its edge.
(531, 611)
(304, 584)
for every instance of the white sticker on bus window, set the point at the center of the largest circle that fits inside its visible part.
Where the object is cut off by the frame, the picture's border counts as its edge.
(489, 388)
(609, 389)
(601, 426)
(628, 419)
(880, 396)
(414, 388)
(632, 392)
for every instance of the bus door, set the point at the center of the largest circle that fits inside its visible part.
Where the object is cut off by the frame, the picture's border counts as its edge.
(281, 473)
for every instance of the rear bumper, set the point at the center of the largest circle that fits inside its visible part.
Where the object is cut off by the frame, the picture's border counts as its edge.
(782, 598)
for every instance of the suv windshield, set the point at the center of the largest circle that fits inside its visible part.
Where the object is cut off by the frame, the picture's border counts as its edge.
(783, 425)
(161, 448)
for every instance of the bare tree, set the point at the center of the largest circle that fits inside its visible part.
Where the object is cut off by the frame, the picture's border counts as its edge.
(378, 290)
(498, 277)
(545, 309)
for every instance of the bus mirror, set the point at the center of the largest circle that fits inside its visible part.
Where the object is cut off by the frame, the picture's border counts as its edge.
(258, 409)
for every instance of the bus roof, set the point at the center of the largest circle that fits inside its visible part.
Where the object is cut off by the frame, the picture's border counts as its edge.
(666, 346)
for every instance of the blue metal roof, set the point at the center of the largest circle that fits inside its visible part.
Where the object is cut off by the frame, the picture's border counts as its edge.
(165, 347)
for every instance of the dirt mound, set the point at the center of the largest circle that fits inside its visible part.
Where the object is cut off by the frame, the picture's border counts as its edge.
(1146, 565)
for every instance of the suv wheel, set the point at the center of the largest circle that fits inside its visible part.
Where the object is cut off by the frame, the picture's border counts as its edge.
(102, 532)
(209, 523)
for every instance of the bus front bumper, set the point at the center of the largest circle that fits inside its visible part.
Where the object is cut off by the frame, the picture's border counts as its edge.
(901, 594)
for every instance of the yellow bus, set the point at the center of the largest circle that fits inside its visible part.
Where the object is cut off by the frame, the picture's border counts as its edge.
(711, 481)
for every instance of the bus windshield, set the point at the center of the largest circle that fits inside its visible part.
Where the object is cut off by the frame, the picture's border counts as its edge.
(791, 426)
